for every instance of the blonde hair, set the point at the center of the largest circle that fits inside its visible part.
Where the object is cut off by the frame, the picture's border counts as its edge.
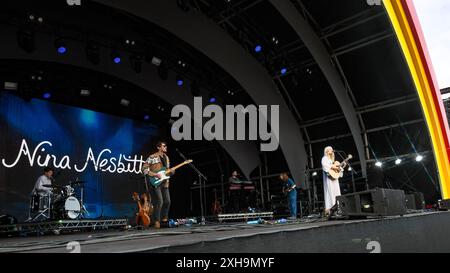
(325, 152)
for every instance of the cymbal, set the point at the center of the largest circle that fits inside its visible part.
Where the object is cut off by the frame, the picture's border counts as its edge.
(51, 186)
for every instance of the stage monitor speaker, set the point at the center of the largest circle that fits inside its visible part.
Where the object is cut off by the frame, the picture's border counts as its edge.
(374, 202)
(415, 201)
(444, 204)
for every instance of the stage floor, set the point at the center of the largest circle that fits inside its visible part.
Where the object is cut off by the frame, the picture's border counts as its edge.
(416, 232)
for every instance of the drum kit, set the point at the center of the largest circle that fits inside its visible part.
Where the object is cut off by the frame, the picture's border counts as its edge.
(60, 203)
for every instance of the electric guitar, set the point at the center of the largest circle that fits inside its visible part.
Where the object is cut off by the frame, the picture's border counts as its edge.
(336, 174)
(155, 181)
(289, 189)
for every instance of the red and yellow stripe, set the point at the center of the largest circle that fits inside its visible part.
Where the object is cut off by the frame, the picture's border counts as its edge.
(409, 33)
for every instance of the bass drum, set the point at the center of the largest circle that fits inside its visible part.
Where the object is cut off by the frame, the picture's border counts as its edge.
(67, 208)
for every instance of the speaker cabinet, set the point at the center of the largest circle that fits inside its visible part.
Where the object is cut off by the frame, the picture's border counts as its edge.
(374, 202)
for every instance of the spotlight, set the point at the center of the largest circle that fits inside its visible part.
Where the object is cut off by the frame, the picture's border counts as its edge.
(419, 158)
(179, 80)
(124, 102)
(258, 48)
(146, 117)
(11, 86)
(283, 71)
(25, 39)
(47, 95)
(93, 53)
(212, 99)
(60, 46)
(130, 42)
(85, 92)
(314, 174)
(378, 164)
(349, 169)
(398, 161)
(275, 40)
(115, 57)
(156, 61)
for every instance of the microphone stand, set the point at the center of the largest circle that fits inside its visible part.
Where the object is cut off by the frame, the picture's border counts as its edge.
(201, 179)
(353, 172)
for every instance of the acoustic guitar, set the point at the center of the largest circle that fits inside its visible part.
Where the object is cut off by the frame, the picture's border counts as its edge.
(336, 174)
(155, 181)
(145, 210)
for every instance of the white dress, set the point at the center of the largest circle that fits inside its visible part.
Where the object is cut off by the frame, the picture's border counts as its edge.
(331, 187)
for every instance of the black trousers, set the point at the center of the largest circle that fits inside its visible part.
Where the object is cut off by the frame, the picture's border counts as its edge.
(160, 201)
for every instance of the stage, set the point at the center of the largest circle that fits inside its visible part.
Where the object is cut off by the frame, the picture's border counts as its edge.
(415, 232)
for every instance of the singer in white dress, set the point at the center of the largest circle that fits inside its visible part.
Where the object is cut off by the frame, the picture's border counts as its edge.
(330, 186)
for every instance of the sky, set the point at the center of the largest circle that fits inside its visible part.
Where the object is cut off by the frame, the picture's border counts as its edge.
(434, 17)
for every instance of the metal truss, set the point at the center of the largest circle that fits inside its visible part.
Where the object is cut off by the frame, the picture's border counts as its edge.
(64, 225)
(244, 216)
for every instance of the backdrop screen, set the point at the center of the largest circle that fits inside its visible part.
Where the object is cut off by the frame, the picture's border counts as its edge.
(103, 150)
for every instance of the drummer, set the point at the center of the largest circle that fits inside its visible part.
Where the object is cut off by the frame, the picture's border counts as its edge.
(44, 182)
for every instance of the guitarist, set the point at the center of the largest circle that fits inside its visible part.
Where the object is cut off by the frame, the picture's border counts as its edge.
(330, 186)
(289, 189)
(160, 195)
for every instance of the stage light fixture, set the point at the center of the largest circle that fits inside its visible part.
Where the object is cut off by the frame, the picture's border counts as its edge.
(85, 92)
(398, 161)
(60, 46)
(124, 102)
(115, 57)
(283, 70)
(275, 40)
(314, 174)
(11, 86)
(156, 61)
(258, 48)
(419, 158)
(379, 164)
(146, 117)
(47, 95)
(349, 169)
(179, 80)
(212, 99)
